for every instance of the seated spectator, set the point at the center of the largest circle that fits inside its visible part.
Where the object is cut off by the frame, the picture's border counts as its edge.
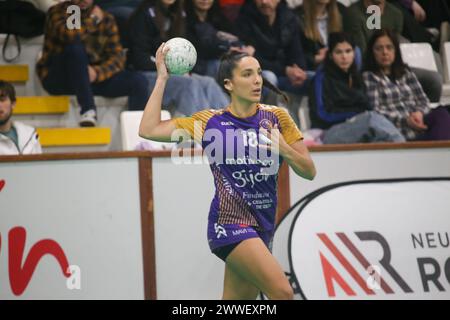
(273, 30)
(338, 103)
(87, 61)
(15, 137)
(154, 22)
(395, 92)
(413, 29)
(430, 13)
(356, 24)
(121, 10)
(317, 20)
(211, 34)
(231, 8)
(391, 18)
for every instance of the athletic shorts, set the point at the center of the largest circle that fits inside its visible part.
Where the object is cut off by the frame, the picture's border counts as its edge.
(223, 238)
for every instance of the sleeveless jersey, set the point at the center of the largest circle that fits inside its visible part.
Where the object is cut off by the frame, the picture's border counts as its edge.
(245, 188)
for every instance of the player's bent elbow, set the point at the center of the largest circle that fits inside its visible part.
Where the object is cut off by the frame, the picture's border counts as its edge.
(146, 134)
(310, 173)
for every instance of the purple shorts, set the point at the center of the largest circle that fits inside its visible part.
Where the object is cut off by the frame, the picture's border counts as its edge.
(228, 236)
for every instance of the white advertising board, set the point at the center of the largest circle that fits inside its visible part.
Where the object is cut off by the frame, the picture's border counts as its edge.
(80, 213)
(373, 240)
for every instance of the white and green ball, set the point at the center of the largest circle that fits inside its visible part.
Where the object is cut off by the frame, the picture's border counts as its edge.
(181, 57)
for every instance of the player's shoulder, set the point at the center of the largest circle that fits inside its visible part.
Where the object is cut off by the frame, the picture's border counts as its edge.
(208, 113)
(267, 107)
(278, 111)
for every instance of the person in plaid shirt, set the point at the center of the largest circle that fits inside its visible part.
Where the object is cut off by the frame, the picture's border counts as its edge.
(87, 61)
(395, 92)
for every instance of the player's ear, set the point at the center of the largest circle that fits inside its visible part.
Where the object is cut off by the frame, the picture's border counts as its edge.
(227, 84)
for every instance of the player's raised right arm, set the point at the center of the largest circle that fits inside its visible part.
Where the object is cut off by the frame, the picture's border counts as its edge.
(151, 126)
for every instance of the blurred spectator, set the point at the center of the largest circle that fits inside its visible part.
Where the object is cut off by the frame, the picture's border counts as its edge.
(413, 29)
(392, 19)
(274, 31)
(356, 24)
(231, 8)
(430, 13)
(121, 10)
(395, 92)
(212, 35)
(152, 23)
(15, 137)
(87, 61)
(338, 103)
(317, 20)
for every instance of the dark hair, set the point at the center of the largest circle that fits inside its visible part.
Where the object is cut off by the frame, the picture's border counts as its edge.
(398, 67)
(175, 12)
(228, 63)
(7, 90)
(334, 39)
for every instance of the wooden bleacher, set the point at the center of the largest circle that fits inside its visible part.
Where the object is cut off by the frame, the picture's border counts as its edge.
(42, 105)
(71, 137)
(14, 73)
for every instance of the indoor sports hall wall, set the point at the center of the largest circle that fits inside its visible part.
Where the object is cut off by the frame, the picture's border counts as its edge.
(400, 197)
(190, 271)
(135, 224)
(81, 213)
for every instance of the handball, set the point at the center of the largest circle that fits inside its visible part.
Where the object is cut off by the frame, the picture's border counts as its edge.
(181, 57)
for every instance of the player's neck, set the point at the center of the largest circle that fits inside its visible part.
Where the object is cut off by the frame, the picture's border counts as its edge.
(242, 109)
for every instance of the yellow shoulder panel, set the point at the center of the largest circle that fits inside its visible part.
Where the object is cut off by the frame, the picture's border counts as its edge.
(288, 128)
(195, 125)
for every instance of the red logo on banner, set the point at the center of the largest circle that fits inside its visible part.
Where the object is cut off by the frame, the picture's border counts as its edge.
(20, 276)
(332, 275)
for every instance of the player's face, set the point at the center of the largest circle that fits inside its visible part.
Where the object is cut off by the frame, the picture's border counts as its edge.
(247, 80)
(384, 52)
(267, 7)
(6, 107)
(343, 55)
(203, 5)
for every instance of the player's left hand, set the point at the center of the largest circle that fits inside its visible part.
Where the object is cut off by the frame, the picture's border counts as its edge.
(273, 140)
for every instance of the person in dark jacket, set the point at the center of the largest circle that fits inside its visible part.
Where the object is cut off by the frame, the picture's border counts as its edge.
(338, 103)
(212, 35)
(273, 30)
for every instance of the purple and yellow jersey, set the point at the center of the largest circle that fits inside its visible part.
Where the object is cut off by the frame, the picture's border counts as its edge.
(245, 193)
